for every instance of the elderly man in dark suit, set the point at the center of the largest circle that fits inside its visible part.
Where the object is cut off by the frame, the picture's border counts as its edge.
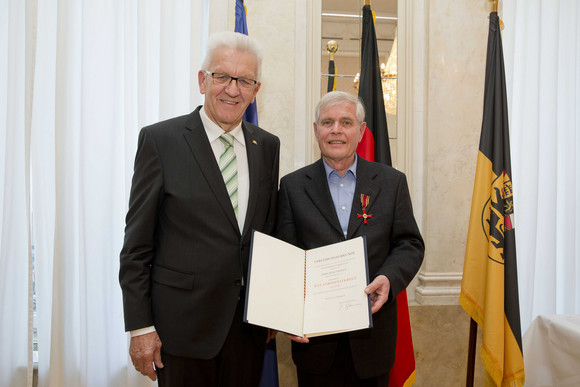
(201, 183)
(343, 196)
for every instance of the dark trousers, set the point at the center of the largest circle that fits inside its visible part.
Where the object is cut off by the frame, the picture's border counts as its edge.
(342, 372)
(239, 362)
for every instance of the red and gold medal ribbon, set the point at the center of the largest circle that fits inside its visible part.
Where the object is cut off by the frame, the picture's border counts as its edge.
(364, 201)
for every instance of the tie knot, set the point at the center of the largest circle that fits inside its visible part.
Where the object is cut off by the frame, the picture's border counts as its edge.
(227, 139)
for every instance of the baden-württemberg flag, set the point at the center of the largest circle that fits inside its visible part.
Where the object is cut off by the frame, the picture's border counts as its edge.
(489, 290)
(331, 70)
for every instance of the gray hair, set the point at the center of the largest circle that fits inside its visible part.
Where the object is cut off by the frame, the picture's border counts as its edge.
(235, 40)
(336, 97)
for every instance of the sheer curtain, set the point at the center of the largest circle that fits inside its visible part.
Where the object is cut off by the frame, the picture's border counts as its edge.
(542, 52)
(78, 79)
(14, 240)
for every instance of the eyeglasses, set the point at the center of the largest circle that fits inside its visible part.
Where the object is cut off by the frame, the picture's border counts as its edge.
(221, 79)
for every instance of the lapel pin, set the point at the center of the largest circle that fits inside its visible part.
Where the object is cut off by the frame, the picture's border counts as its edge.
(254, 142)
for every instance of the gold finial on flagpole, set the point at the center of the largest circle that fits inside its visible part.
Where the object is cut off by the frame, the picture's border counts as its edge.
(494, 4)
(332, 47)
(368, 2)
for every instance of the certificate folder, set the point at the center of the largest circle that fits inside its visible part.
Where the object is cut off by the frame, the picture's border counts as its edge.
(308, 293)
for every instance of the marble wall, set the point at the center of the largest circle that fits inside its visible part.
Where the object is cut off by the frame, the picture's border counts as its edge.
(454, 68)
(273, 24)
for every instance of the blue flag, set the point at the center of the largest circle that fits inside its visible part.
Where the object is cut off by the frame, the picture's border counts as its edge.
(270, 370)
(251, 114)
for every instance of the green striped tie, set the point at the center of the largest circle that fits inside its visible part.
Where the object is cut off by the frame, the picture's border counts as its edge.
(229, 169)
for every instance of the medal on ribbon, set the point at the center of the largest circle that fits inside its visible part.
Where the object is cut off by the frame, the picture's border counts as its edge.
(364, 200)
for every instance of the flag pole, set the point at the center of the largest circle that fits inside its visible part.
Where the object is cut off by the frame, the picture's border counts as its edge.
(471, 354)
(473, 325)
(368, 3)
(332, 48)
(494, 5)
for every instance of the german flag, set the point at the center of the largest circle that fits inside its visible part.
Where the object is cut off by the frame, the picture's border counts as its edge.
(489, 289)
(376, 136)
(375, 147)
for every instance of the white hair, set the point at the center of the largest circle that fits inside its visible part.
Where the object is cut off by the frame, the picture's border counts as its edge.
(235, 40)
(336, 97)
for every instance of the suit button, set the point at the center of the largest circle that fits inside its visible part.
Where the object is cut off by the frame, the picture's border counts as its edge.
(238, 283)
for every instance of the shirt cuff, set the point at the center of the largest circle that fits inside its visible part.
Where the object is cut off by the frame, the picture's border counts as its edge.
(142, 331)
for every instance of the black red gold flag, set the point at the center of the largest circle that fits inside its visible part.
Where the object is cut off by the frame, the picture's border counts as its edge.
(489, 289)
(371, 92)
(375, 147)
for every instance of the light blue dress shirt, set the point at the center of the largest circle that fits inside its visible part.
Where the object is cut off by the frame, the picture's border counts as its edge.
(342, 191)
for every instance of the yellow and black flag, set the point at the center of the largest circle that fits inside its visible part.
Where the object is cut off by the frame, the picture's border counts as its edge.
(331, 79)
(489, 289)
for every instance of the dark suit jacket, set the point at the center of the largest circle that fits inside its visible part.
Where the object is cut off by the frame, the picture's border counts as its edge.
(307, 219)
(184, 258)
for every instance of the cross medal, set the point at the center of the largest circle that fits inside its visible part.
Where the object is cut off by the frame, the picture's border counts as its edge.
(364, 200)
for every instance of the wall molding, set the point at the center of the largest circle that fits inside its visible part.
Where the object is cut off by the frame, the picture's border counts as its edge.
(438, 288)
(307, 79)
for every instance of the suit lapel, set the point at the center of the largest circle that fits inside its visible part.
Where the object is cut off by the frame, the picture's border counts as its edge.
(200, 147)
(252, 150)
(365, 185)
(319, 193)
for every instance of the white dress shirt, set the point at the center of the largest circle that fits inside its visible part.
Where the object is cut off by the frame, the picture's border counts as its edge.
(213, 132)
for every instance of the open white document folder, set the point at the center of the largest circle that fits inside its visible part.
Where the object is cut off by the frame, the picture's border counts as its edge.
(308, 293)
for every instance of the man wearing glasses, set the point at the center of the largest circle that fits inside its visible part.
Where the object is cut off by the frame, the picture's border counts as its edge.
(201, 183)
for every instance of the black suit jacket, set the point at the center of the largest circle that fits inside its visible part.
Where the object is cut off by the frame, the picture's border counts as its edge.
(184, 259)
(307, 219)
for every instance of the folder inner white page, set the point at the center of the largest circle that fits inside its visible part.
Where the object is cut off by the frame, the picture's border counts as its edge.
(276, 285)
(335, 282)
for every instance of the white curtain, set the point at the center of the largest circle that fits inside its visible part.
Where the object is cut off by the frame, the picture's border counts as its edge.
(14, 239)
(78, 79)
(542, 55)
